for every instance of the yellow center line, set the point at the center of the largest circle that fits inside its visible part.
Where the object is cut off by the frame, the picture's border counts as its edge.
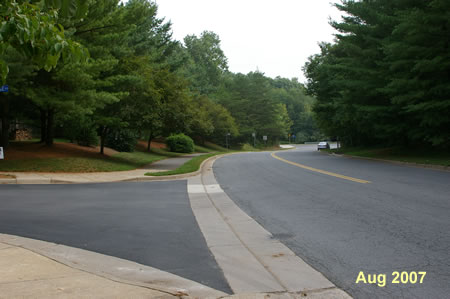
(321, 171)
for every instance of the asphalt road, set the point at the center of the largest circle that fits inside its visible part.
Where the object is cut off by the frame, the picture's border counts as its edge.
(150, 223)
(400, 221)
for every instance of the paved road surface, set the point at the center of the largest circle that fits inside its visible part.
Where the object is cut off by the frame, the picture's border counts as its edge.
(400, 221)
(150, 223)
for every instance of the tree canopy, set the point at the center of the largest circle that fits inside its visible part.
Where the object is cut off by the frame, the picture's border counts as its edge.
(385, 78)
(110, 72)
(33, 29)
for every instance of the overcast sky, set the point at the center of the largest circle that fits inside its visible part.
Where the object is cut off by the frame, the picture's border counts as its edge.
(276, 37)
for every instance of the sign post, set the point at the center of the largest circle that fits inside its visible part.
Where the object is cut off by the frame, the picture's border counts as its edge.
(4, 88)
(265, 140)
(2, 156)
(226, 139)
(254, 139)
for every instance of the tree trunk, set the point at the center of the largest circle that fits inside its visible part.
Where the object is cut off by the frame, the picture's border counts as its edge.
(150, 138)
(50, 127)
(5, 123)
(102, 139)
(43, 125)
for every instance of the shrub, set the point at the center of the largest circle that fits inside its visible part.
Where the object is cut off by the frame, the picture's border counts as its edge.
(122, 141)
(180, 143)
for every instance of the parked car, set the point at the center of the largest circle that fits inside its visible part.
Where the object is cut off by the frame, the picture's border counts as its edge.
(323, 145)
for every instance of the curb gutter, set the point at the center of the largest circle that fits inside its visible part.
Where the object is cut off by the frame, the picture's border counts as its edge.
(254, 262)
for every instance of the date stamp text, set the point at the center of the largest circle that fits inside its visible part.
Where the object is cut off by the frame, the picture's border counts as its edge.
(397, 277)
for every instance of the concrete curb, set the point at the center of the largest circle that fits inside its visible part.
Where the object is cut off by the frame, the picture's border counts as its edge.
(255, 264)
(115, 269)
(411, 164)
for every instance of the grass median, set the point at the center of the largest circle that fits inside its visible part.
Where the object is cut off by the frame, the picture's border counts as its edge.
(190, 166)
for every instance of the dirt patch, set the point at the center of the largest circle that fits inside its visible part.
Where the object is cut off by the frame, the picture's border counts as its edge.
(31, 150)
(7, 176)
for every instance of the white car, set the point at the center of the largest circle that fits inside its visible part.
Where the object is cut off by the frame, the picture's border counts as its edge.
(323, 145)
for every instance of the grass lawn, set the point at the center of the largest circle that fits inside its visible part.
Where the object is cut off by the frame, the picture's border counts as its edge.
(190, 166)
(421, 156)
(66, 157)
(215, 147)
(202, 149)
(118, 162)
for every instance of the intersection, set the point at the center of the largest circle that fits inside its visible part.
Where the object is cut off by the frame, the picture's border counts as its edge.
(328, 227)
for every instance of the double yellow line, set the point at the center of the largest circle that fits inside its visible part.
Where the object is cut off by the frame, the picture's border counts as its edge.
(321, 171)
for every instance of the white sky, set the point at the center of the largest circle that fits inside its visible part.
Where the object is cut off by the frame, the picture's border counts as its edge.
(276, 37)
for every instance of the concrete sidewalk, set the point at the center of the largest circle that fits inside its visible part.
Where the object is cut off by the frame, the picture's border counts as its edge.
(100, 177)
(36, 269)
(24, 273)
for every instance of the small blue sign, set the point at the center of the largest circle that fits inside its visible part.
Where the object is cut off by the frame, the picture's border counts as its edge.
(4, 88)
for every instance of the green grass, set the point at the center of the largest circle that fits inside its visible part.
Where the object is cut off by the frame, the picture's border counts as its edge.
(215, 147)
(246, 147)
(202, 149)
(94, 163)
(118, 162)
(190, 166)
(420, 156)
